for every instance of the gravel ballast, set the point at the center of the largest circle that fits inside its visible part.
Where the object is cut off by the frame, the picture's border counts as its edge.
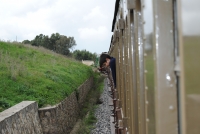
(103, 113)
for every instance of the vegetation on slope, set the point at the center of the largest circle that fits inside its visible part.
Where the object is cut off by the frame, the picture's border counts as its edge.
(34, 73)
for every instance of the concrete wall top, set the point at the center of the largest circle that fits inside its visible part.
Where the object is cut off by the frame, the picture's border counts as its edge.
(21, 119)
(11, 111)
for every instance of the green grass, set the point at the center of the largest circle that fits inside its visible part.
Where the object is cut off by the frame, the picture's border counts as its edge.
(149, 65)
(37, 74)
(191, 64)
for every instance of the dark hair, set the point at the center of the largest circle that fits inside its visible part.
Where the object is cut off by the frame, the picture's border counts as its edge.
(103, 58)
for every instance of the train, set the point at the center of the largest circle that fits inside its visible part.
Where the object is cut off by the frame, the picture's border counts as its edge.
(156, 44)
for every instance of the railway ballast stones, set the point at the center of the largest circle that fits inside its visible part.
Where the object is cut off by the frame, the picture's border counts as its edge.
(103, 113)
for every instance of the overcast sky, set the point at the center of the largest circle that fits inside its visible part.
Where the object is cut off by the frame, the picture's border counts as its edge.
(191, 17)
(88, 21)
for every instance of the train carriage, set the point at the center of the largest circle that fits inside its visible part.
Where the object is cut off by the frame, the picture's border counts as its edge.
(156, 44)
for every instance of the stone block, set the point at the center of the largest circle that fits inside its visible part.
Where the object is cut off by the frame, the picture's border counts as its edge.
(21, 118)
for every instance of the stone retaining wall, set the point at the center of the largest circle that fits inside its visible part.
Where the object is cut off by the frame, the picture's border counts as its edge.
(61, 118)
(25, 118)
(21, 119)
(83, 91)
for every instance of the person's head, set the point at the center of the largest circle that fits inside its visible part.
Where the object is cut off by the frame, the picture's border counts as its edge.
(104, 60)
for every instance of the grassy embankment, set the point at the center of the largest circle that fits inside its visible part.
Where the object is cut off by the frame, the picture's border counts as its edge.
(37, 74)
(191, 57)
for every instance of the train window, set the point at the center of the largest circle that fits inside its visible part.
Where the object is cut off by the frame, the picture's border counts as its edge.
(149, 64)
(189, 18)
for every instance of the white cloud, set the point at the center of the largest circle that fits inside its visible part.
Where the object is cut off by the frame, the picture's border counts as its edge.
(148, 16)
(93, 34)
(95, 13)
(85, 20)
(190, 17)
(31, 24)
(190, 23)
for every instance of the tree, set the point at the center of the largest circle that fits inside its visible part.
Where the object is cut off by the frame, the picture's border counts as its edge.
(72, 43)
(46, 42)
(53, 39)
(56, 42)
(26, 42)
(64, 44)
(84, 55)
